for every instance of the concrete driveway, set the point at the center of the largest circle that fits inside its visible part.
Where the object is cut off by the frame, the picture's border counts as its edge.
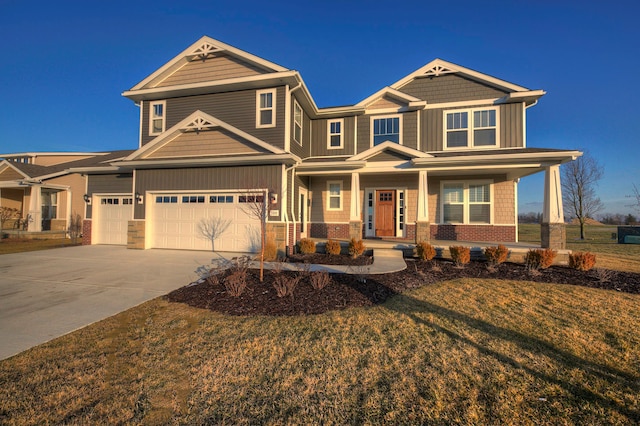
(46, 294)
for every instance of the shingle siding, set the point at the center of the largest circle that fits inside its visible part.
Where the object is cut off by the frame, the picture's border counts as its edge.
(218, 68)
(450, 88)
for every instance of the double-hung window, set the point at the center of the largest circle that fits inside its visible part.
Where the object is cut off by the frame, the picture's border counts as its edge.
(157, 115)
(471, 128)
(297, 122)
(266, 108)
(386, 129)
(334, 195)
(334, 132)
(466, 202)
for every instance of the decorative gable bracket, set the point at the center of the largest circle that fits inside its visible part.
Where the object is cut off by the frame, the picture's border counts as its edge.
(437, 70)
(198, 124)
(203, 52)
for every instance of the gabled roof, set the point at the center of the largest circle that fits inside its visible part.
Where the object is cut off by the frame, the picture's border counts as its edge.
(196, 122)
(16, 167)
(389, 146)
(411, 102)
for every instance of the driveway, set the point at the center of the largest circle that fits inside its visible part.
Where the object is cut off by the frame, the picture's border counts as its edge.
(46, 294)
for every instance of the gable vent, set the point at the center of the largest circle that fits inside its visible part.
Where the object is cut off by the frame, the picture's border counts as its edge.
(204, 51)
(437, 70)
(198, 125)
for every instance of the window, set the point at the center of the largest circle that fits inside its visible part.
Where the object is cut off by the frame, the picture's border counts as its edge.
(166, 199)
(193, 199)
(221, 199)
(251, 199)
(297, 122)
(157, 112)
(386, 129)
(265, 108)
(334, 195)
(466, 202)
(472, 128)
(334, 131)
(128, 201)
(49, 205)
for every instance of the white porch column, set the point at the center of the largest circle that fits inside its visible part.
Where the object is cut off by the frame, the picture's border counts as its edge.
(552, 207)
(35, 209)
(356, 208)
(423, 198)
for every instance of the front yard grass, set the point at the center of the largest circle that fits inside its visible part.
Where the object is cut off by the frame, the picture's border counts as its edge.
(19, 245)
(467, 351)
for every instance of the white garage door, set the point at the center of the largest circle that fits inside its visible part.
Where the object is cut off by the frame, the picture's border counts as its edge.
(112, 214)
(177, 220)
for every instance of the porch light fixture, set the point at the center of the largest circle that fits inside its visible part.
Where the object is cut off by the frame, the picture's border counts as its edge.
(87, 198)
(139, 198)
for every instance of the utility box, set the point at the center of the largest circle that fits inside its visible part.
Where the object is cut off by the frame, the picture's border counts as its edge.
(628, 234)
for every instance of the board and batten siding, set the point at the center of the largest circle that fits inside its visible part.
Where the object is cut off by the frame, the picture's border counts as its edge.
(121, 183)
(301, 150)
(320, 142)
(235, 108)
(219, 67)
(511, 132)
(409, 130)
(450, 88)
(207, 179)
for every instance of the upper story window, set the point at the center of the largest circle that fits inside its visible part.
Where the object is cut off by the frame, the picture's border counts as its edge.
(297, 122)
(466, 202)
(334, 132)
(157, 115)
(266, 108)
(386, 129)
(471, 128)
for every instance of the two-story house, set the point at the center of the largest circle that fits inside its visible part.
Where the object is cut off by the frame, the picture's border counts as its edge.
(435, 155)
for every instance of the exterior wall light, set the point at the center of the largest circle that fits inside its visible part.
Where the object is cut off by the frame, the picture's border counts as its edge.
(87, 198)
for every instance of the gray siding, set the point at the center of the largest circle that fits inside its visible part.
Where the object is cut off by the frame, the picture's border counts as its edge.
(303, 150)
(235, 108)
(319, 138)
(207, 179)
(450, 88)
(511, 131)
(109, 184)
(364, 135)
(409, 131)
(388, 155)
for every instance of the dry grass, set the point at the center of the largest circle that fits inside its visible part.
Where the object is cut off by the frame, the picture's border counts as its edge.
(459, 352)
(19, 245)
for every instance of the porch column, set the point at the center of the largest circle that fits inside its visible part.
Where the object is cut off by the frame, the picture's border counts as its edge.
(552, 231)
(35, 209)
(423, 225)
(355, 216)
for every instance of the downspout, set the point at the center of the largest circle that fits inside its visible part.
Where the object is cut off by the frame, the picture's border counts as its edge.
(286, 170)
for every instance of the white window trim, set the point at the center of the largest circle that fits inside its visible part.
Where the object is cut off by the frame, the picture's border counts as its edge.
(466, 204)
(378, 117)
(151, 118)
(273, 108)
(295, 123)
(470, 129)
(341, 134)
(329, 196)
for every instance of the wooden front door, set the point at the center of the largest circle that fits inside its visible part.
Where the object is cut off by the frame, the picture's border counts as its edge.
(385, 212)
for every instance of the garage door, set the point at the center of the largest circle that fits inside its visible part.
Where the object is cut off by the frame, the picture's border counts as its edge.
(111, 215)
(178, 220)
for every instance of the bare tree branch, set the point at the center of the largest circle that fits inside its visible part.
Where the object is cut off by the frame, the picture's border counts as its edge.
(579, 181)
(211, 228)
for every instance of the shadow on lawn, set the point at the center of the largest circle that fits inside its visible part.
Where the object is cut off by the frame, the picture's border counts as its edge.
(413, 308)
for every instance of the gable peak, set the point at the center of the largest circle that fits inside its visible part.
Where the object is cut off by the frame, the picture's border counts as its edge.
(203, 51)
(437, 70)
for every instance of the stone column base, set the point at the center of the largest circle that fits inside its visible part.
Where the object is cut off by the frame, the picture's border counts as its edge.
(355, 230)
(423, 231)
(277, 232)
(135, 234)
(553, 236)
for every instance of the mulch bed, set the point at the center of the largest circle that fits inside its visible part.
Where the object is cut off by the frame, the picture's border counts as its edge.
(346, 291)
(327, 259)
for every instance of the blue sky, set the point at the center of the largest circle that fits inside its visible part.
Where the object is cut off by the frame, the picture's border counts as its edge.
(65, 64)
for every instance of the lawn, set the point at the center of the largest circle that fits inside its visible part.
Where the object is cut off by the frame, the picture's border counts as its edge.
(18, 245)
(468, 351)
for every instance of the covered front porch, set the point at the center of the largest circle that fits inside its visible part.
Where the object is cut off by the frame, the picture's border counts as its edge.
(37, 209)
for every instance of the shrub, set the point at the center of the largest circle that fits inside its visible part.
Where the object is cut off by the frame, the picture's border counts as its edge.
(496, 255)
(460, 255)
(356, 248)
(333, 247)
(539, 258)
(582, 261)
(285, 284)
(306, 246)
(320, 279)
(236, 283)
(270, 250)
(425, 251)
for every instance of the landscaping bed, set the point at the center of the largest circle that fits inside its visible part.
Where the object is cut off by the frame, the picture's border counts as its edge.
(359, 289)
(327, 259)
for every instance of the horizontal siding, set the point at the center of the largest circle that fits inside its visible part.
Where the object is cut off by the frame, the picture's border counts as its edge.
(388, 155)
(319, 142)
(450, 88)
(207, 179)
(10, 174)
(217, 68)
(319, 211)
(215, 142)
(235, 108)
(386, 102)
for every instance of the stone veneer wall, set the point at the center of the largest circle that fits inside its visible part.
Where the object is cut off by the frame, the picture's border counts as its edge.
(86, 232)
(135, 234)
(277, 232)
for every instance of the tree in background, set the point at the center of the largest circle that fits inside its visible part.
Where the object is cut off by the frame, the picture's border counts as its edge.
(579, 181)
(7, 214)
(636, 195)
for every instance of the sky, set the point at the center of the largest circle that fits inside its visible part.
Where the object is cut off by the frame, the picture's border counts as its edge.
(65, 65)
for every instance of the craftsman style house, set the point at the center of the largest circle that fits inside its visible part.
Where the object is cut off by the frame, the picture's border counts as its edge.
(435, 155)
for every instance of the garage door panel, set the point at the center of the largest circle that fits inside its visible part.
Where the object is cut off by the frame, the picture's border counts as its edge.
(112, 214)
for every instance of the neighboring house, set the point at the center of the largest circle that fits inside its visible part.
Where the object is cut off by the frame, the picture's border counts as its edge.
(435, 155)
(43, 190)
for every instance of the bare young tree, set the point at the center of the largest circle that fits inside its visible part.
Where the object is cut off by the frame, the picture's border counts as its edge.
(211, 228)
(256, 204)
(7, 214)
(636, 196)
(75, 227)
(579, 181)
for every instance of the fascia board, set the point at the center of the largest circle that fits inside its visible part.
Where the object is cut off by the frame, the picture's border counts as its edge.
(330, 165)
(392, 146)
(509, 159)
(8, 163)
(202, 162)
(96, 170)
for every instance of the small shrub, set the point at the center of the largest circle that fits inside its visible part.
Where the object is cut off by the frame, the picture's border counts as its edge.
(306, 246)
(356, 248)
(582, 261)
(496, 255)
(333, 247)
(319, 279)
(460, 255)
(604, 275)
(236, 283)
(270, 250)
(425, 251)
(285, 284)
(539, 258)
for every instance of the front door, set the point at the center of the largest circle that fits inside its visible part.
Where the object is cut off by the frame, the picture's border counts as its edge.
(385, 211)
